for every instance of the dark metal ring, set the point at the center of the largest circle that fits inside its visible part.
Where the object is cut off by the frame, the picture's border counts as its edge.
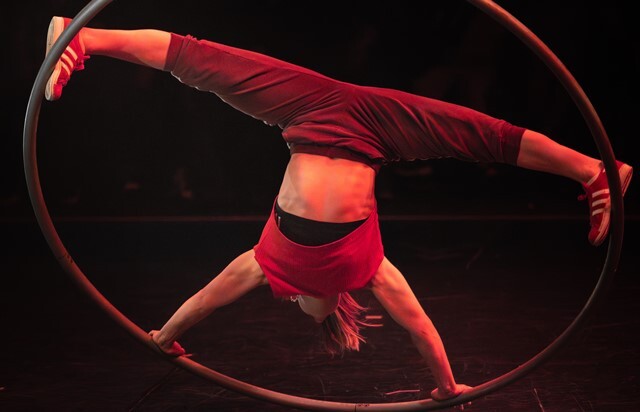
(65, 259)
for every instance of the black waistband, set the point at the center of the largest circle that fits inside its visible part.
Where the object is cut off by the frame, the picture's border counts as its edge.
(310, 232)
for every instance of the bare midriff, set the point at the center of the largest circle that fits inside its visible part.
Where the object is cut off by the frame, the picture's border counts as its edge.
(327, 189)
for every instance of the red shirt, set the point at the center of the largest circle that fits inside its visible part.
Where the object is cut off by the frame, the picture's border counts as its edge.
(346, 264)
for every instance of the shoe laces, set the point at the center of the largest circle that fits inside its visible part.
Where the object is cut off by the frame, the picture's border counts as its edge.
(80, 62)
(78, 65)
(588, 193)
(586, 196)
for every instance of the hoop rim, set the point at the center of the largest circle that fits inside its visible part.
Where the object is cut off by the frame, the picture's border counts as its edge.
(65, 259)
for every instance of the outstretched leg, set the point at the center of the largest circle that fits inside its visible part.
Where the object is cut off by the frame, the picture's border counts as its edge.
(268, 89)
(538, 152)
(394, 293)
(242, 275)
(146, 47)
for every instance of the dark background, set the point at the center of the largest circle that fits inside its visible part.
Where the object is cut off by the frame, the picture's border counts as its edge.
(126, 140)
(154, 186)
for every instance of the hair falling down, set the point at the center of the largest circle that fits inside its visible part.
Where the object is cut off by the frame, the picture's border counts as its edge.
(340, 331)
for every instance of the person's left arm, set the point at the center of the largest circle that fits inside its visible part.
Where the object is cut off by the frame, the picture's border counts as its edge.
(242, 275)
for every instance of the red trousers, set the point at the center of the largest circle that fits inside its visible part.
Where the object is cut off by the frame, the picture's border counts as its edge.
(318, 114)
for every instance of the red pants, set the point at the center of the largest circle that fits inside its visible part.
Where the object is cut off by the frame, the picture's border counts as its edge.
(321, 115)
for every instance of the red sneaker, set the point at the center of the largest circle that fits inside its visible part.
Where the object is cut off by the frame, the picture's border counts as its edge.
(597, 193)
(72, 58)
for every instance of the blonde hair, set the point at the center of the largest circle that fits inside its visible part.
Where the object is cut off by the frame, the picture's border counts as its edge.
(341, 329)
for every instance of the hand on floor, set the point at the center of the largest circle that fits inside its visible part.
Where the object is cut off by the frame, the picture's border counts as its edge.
(174, 350)
(438, 395)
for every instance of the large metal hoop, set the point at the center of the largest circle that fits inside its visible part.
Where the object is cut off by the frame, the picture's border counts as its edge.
(65, 259)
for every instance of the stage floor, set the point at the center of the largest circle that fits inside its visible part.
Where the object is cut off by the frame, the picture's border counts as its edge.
(499, 292)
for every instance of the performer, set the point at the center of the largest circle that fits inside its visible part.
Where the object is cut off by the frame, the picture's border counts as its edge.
(322, 239)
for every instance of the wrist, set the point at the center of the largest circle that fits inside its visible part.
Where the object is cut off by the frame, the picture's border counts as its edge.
(443, 392)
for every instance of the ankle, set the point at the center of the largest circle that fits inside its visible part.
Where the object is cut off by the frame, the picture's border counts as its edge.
(81, 39)
(591, 173)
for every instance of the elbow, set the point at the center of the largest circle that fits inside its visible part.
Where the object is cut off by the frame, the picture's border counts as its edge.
(423, 331)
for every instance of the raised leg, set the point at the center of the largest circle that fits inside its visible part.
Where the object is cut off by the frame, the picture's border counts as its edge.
(538, 152)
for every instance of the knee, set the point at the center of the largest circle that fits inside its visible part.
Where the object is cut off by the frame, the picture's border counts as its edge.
(420, 330)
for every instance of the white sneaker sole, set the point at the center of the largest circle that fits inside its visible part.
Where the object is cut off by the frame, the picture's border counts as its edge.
(625, 172)
(56, 26)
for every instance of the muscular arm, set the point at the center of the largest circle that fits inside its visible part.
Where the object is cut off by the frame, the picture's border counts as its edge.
(392, 290)
(241, 276)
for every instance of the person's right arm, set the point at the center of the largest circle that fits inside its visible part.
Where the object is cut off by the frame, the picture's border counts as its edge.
(394, 293)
